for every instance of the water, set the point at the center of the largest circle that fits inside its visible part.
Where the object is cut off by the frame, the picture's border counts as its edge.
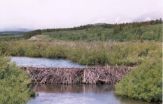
(70, 94)
(45, 62)
(78, 94)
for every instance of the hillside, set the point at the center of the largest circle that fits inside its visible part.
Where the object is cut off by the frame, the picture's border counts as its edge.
(150, 30)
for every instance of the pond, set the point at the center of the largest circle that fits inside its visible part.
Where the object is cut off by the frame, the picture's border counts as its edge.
(45, 62)
(78, 94)
(70, 94)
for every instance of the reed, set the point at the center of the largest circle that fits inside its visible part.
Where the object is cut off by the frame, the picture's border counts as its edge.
(87, 53)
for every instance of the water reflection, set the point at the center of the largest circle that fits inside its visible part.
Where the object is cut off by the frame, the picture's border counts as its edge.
(72, 88)
(78, 94)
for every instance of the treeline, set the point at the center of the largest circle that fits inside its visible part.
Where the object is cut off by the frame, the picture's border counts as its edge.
(149, 30)
(102, 31)
(104, 25)
(10, 37)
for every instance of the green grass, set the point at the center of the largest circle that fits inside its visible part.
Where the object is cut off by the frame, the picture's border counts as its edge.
(88, 53)
(14, 84)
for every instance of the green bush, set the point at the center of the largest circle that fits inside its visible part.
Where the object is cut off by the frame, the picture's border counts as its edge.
(14, 84)
(144, 82)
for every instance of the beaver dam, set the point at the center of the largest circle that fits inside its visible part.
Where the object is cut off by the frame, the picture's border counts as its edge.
(67, 72)
(90, 75)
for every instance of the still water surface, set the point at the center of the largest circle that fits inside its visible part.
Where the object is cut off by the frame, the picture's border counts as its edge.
(44, 62)
(78, 94)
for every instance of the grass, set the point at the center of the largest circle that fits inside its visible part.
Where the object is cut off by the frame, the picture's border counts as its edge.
(87, 53)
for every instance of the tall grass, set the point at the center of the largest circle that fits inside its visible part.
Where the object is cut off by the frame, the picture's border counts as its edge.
(88, 53)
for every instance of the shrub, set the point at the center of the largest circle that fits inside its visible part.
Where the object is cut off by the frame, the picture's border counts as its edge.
(13, 84)
(143, 83)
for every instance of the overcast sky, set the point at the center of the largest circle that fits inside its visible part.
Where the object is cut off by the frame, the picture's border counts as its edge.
(69, 13)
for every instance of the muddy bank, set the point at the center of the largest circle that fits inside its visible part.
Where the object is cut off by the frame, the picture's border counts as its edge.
(90, 75)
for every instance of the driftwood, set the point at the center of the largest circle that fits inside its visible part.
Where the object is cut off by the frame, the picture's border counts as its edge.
(90, 75)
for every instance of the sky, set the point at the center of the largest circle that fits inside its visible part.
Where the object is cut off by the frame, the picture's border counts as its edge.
(38, 14)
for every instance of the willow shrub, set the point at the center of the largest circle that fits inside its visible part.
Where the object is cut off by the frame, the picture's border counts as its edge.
(144, 82)
(13, 84)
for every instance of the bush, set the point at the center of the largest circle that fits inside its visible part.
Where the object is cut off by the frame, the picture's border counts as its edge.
(143, 83)
(13, 84)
